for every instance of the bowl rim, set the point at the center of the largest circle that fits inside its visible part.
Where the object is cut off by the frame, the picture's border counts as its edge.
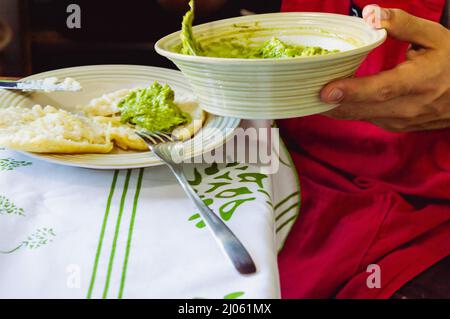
(382, 36)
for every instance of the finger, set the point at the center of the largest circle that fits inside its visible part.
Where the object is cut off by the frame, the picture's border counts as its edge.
(421, 122)
(390, 125)
(435, 125)
(372, 15)
(398, 126)
(381, 87)
(411, 54)
(404, 26)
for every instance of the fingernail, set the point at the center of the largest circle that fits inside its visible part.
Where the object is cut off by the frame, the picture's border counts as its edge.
(369, 9)
(374, 14)
(335, 95)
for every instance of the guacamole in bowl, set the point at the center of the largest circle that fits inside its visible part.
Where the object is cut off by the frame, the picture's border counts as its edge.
(241, 47)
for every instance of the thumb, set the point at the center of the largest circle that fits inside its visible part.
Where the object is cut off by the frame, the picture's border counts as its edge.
(404, 26)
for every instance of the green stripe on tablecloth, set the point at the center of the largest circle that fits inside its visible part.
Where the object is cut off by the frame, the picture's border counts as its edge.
(130, 233)
(277, 154)
(293, 219)
(116, 234)
(286, 199)
(102, 234)
(286, 211)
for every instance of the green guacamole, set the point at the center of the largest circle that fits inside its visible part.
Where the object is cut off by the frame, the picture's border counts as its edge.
(273, 48)
(241, 47)
(153, 109)
(189, 44)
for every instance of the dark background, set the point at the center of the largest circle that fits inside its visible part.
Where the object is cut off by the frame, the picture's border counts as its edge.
(111, 31)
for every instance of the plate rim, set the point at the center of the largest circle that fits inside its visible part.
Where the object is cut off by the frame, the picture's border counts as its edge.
(230, 132)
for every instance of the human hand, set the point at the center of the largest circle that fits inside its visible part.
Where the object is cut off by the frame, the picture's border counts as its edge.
(413, 96)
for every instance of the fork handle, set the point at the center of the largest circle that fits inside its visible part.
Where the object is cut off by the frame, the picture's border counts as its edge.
(228, 241)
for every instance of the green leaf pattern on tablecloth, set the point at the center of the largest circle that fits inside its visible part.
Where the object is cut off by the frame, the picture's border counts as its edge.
(231, 296)
(9, 208)
(37, 239)
(231, 184)
(234, 295)
(9, 164)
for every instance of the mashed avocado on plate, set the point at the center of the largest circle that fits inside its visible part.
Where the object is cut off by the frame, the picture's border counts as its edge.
(153, 109)
(241, 48)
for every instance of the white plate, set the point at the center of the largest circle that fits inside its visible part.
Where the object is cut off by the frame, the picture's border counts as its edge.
(100, 79)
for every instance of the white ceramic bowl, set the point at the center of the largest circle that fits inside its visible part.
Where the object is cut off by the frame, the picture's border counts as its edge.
(274, 88)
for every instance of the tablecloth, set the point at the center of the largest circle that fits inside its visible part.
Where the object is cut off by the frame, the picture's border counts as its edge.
(76, 233)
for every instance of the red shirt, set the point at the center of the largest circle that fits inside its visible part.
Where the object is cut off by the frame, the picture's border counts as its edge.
(368, 196)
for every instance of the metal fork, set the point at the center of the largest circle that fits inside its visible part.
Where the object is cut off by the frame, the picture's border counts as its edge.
(163, 145)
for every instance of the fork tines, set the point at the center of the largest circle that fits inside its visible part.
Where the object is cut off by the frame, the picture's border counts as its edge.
(155, 137)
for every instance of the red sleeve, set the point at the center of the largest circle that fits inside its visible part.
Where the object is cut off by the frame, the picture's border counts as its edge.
(331, 6)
